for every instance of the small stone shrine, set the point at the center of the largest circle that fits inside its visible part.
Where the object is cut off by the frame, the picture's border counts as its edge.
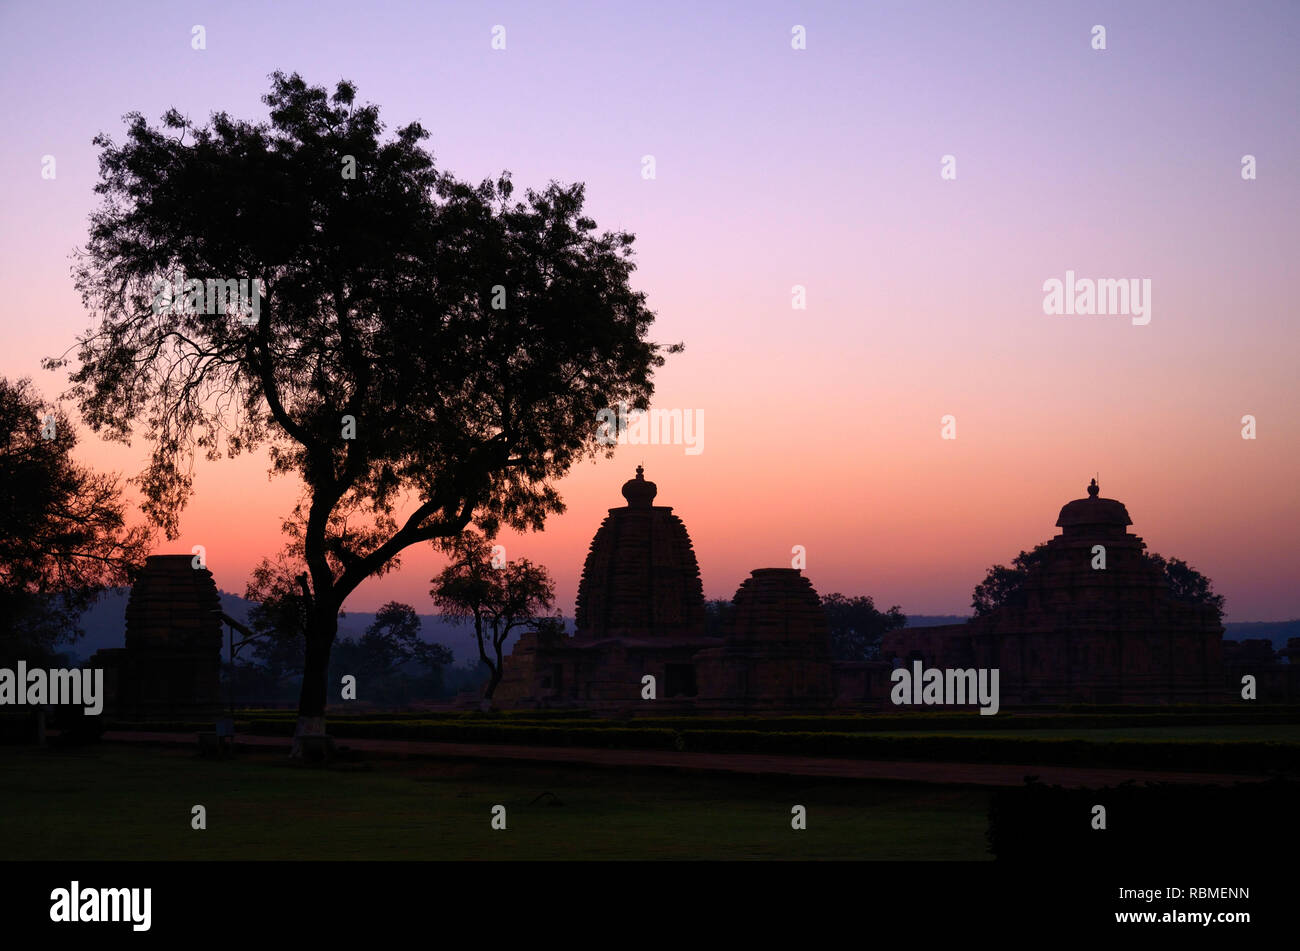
(171, 663)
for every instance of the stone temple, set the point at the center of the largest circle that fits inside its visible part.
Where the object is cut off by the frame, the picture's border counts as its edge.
(1074, 633)
(640, 611)
(1079, 634)
(171, 663)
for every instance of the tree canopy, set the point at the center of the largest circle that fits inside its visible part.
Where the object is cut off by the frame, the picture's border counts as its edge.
(1004, 585)
(857, 627)
(1186, 583)
(393, 639)
(496, 595)
(63, 531)
(390, 660)
(422, 353)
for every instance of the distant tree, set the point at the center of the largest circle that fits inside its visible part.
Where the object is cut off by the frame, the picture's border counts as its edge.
(280, 616)
(1004, 586)
(497, 600)
(857, 627)
(390, 638)
(63, 533)
(470, 677)
(393, 640)
(717, 615)
(1186, 583)
(550, 629)
(414, 340)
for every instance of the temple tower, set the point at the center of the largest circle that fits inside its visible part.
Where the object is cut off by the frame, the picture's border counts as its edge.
(776, 652)
(640, 578)
(172, 660)
(1080, 633)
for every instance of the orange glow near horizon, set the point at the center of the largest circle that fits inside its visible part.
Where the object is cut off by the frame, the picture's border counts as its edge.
(919, 534)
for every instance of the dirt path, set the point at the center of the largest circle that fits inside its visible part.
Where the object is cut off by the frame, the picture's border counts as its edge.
(978, 774)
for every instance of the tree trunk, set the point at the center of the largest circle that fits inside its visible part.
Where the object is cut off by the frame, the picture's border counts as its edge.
(492, 682)
(482, 653)
(499, 668)
(315, 678)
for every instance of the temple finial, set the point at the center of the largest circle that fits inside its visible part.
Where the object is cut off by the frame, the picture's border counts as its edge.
(639, 492)
(1093, 489)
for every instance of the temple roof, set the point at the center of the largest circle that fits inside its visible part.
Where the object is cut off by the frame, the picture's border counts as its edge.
(778, 605)
(1093, 512)
(641, 578)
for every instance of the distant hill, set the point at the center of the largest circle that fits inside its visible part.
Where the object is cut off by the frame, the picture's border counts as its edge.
(935, 620)
(105, 626)
(1275, 631)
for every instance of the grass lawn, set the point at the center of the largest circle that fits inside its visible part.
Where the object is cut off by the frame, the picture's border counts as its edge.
(115, 802)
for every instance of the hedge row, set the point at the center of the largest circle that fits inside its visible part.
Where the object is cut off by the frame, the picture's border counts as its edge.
(505, 733)
(1230, 756)
(889, 722)
(870, 722)
(920, 723)
(1180, 711)
(545, 715)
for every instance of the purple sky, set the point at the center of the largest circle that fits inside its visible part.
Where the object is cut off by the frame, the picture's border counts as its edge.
(817, 167)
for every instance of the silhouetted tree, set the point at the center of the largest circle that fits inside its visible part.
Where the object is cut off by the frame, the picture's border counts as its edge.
(1186, 583)
(389, 660)
(497, 600)
(63, 534)
(717, 615)
(414, 340)
(393, 639)
(1003, 585)
(857, 627)
(391, 635)
(279, 617)
(550, 630)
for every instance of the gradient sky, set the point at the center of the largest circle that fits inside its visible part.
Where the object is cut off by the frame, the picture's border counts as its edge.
(818, 167)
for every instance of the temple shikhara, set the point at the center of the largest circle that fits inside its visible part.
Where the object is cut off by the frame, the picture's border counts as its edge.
(172, 659)
(1074, 633)
(640, 610)
(1077, 633)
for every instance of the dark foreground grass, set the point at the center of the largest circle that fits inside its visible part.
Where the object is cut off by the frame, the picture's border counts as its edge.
(113, 802)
